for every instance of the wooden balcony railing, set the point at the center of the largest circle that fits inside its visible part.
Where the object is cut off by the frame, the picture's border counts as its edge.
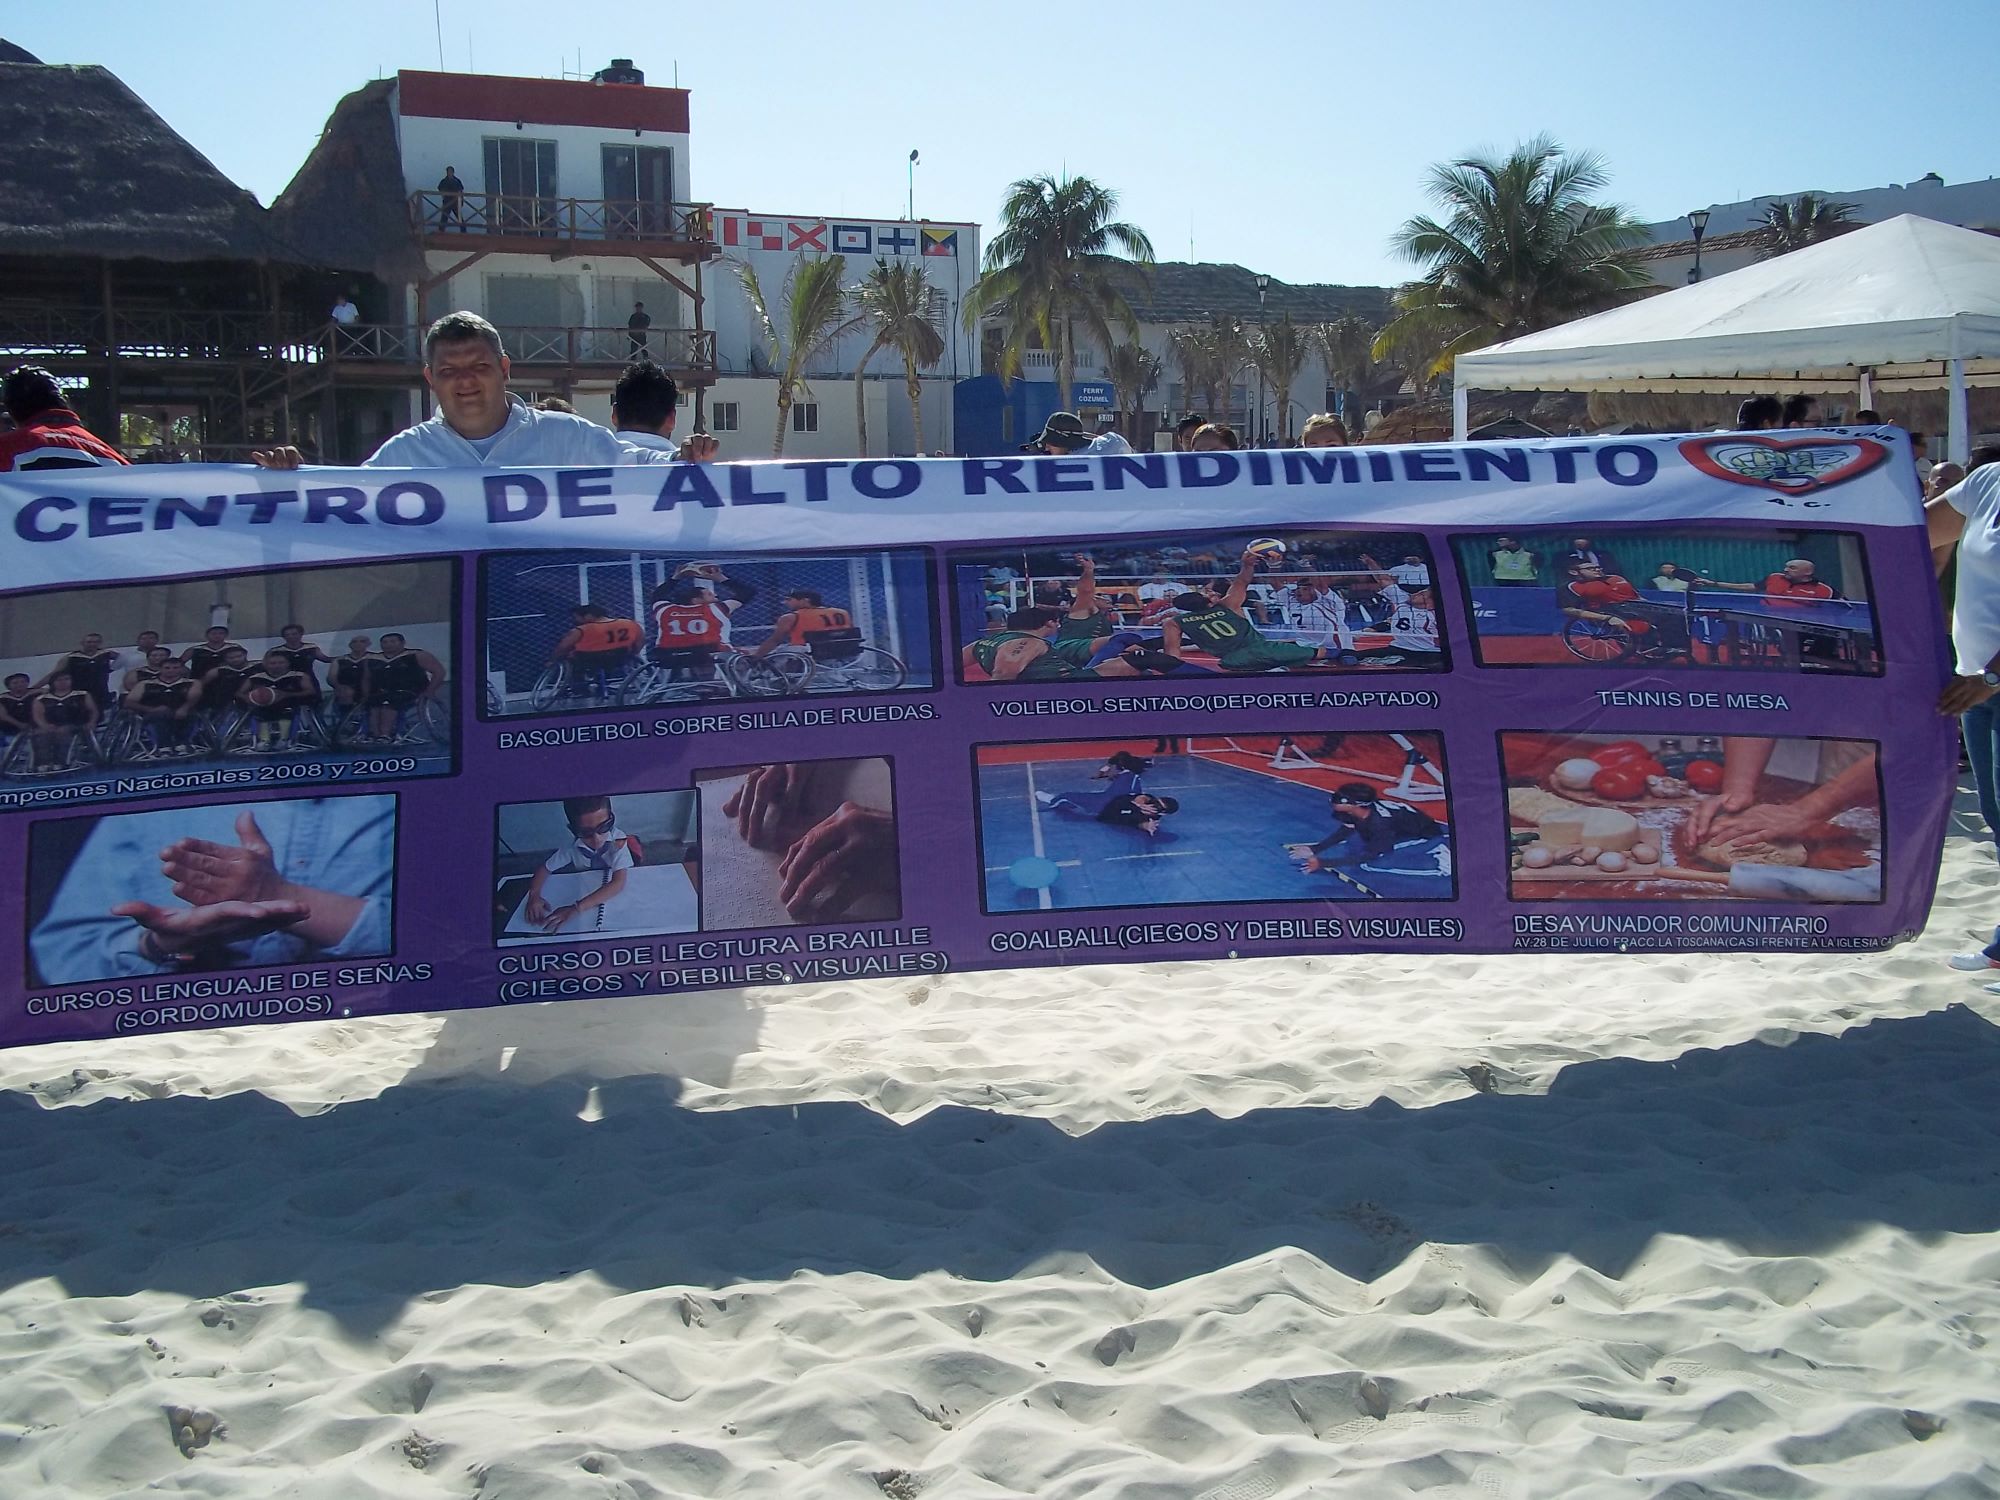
(29, 330)
(535, 345)
(518, 216)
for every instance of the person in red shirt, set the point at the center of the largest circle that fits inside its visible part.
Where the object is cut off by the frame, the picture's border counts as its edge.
(1593, 594)
(1797, 582)
(47, 434)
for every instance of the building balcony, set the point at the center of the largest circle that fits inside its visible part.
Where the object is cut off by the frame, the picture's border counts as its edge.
(397, 348)
(561, 227)
(37, 330)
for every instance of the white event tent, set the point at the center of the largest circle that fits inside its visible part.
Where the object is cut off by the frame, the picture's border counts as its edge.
(1907, 304)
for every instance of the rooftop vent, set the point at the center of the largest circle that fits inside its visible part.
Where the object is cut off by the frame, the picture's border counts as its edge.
(620, 71)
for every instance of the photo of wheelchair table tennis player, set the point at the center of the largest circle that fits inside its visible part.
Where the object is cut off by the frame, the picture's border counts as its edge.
(1746, 600)
(1198, 605)
(231, 885)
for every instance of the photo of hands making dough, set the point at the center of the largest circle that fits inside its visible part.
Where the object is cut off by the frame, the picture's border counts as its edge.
(799, 842)
(596, 865)
(228, 886)
(1645, 817)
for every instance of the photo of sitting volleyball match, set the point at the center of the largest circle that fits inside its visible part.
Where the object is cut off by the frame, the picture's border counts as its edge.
(1198, 605)
(575, 631)
(1212, 819)
(1650, 817)
(340, 672)
(1747, 600)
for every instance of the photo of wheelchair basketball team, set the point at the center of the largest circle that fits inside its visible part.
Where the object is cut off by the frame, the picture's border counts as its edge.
(340, 662)
(568, 632)
(1199, 606)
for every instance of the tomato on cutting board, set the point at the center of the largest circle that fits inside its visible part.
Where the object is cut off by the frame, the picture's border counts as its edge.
(1703, 775)
(1620, 783)
(1618, 752)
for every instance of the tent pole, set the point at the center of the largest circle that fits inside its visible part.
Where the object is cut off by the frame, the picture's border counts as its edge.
(1961, 423)
(1867, 390)
(1461, 410)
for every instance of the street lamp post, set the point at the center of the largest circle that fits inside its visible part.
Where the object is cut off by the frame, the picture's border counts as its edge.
(1698, 222)
(910, 208)
(1263, 285)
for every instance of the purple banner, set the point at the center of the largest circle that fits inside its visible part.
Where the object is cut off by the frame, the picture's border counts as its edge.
(327, 743)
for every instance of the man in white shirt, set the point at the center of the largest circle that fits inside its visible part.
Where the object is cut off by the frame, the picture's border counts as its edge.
(1412, 572)
(479, 424)
(345, 313)
(642, 412)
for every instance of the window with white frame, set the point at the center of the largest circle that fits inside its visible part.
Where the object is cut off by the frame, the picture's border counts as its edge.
(722, 417)
(805, 417)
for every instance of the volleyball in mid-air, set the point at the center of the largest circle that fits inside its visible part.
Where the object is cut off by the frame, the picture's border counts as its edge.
(1268, 551)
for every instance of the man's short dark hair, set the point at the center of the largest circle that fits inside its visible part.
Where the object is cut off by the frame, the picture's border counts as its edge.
(1169, 804)
(1355, 792)
(1034, 617)
(575, 809)
(1981, 457)
(1188, 423)
(1796, 410)
(811, 596)
(1192, 602)
(1867, 416)
(461, 328)
(29, 391)
(644, 397)
(1755, 411)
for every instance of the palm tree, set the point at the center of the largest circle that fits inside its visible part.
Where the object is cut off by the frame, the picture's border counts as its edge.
(1520, 247)
(897, 300)
(1347, 348)
(1053, 266)
(1789, 225)
(1209, 355)
(1279, 352)
(1135, 371)
(815, 314)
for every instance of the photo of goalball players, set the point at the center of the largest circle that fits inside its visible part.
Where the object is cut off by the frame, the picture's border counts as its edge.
(1279, 600)
(1200, 820)
(222, 669)
(582, 631)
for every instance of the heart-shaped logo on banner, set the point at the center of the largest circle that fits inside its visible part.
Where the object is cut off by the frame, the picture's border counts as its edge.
(1792, 466)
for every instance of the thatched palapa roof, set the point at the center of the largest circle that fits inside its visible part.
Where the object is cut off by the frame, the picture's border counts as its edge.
(90, 170)
(347, 201)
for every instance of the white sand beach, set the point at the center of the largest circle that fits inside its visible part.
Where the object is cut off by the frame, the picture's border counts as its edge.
(1679, 1227)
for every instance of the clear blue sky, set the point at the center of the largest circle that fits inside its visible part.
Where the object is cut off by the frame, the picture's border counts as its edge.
(1292, 138)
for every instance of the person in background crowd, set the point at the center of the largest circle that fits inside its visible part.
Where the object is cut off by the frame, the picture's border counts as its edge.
(345, 313)
(1943, 477)
(452, 207)
(1920, 455)
(643, 404)
(1963, 519)
(1061, 435)
(1758, 414)
(47, 434)
(1672, 578)
(1583, 550)
(1323, 431)
(1800, 411)
(554, 403)
(635, 329)
(1514, 566)
(1214, 437)
(1868, 417)
(479, 423)
(1108, 439)
(1184, 431)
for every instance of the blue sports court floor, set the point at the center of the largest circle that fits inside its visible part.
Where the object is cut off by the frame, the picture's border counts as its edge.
(1226, 844)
